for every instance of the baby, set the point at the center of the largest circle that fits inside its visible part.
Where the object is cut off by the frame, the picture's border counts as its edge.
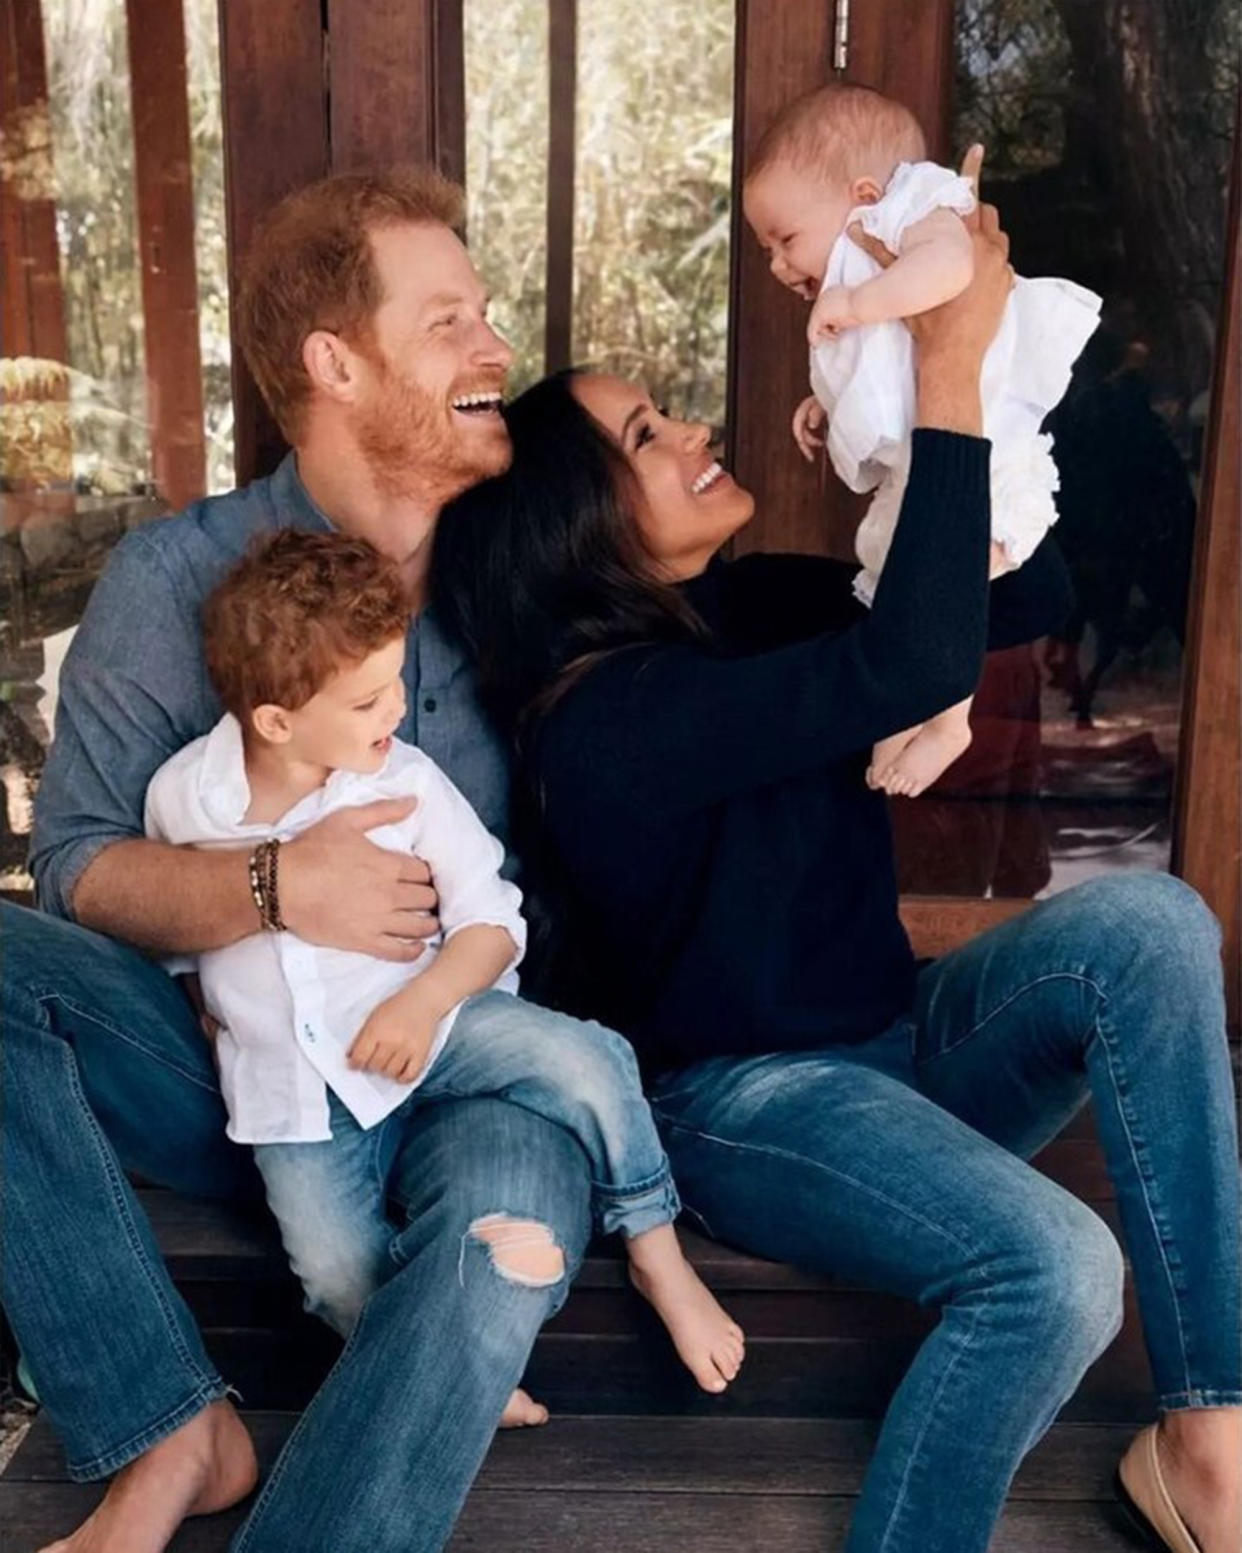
(324, 1053)
(846, 154)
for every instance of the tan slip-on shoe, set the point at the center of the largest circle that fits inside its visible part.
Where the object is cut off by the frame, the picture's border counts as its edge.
(1141, 1489)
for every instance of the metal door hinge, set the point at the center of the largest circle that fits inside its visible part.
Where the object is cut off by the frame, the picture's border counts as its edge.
(841, 36)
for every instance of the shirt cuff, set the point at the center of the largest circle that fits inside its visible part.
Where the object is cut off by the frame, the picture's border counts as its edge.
(58, 877)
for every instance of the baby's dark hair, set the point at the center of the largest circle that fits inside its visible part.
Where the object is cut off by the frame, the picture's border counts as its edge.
(295, 609)
(840, 133)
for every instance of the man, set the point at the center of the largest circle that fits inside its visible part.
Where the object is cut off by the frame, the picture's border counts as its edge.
(366, 328)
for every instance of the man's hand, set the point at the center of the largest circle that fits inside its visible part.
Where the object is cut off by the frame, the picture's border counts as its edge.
(834, 310)
(809, 424)
(341, 890)
(397, 1036)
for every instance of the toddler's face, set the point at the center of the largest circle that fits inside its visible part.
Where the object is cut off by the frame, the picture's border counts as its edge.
(797, 218)
(348, 724)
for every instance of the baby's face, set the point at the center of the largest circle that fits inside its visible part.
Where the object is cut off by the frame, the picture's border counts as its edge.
(797, 218)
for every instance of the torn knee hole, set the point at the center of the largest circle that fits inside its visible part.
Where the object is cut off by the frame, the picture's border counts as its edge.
(521, 1250)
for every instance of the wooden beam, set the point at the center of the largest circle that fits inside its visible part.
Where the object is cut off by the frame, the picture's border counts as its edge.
(1207, 834)
(562, 162)
(785, 48)
(32, 310)
(165, 203)
(396, 84)
(275, 140)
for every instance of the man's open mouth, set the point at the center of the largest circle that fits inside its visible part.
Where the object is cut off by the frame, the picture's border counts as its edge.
(478, 404)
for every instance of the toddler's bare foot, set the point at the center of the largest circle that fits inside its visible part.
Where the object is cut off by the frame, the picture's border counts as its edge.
(709, 1342)
(932, 751)
(205, 1466)
(887, 752)
(523, 1412)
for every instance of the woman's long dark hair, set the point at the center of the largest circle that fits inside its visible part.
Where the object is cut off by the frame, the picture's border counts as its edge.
(541, 570)
(538, 574)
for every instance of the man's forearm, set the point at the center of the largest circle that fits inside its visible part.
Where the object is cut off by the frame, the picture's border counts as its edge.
(167, 900)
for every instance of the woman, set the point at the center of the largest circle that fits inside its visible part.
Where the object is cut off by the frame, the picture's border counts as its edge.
(694, 736)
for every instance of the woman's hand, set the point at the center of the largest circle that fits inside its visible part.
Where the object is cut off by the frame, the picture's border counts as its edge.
(952, 339)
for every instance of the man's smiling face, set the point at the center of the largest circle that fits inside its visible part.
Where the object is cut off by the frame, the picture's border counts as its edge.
(427, 417)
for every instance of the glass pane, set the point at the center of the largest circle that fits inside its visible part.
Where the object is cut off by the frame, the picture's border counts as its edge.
(76, 446)
(655, 151)
(1109, 130)
(506, 47)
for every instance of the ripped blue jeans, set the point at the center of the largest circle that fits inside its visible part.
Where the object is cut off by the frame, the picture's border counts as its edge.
(330, 1197)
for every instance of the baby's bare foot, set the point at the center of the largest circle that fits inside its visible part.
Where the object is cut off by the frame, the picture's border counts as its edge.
(710, 1343)
(886, 754)
(205, 1466)
(523, 1412)
(930, 753)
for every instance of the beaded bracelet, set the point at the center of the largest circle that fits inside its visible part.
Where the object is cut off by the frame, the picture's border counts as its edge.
(264, 885)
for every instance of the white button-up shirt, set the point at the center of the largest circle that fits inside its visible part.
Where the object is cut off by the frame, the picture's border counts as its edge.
(291, 1010)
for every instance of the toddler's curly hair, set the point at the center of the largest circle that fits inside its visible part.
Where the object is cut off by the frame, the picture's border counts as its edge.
(295, 609)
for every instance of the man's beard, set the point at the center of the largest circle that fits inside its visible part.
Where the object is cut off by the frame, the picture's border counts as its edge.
(414, 450)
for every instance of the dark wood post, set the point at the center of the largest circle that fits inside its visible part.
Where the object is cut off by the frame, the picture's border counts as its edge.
(275, 140)
(32, 309)
(165, 203)
(1207, 833)
(558, 325)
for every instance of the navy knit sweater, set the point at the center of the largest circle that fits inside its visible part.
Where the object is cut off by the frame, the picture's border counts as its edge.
(733, 874)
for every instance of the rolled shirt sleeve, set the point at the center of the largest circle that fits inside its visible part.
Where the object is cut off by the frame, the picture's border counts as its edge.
(133, 690)
(465, 861)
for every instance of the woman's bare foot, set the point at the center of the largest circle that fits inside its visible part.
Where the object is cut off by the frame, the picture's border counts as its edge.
(205, 1466)
(523, 1412)
(1200, 1454)
(709, 1341)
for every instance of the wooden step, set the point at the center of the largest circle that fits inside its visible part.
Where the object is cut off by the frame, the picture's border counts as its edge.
(652, 1485)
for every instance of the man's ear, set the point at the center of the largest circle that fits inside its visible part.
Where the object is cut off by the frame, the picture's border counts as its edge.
(272, 723)
(866, 191)
(330, 364)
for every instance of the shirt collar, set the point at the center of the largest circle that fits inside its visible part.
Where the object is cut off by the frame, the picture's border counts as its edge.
(293, 501)
(223, 788)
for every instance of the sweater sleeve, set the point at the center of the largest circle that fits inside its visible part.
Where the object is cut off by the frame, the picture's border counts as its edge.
(680, 728)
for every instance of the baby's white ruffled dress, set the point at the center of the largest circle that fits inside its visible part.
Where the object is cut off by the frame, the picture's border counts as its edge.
(864, 378)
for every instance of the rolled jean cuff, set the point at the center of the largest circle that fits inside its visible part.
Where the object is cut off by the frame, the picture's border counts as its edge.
(635, 1210)
(106, 1463)
(1204, 1396)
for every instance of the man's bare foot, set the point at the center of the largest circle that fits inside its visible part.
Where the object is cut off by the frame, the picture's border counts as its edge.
(205, 1466)
(1200, 1455)
(523, 1412)
(932, 751)
(710, 1343)
(887, 752)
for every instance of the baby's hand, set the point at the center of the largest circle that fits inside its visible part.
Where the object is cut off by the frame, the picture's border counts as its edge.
(397, 1036)
(833, 311)
(809, 423)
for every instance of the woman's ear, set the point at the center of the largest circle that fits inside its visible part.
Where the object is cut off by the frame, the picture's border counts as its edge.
(330, 365)
(271, 723)
(866, 191)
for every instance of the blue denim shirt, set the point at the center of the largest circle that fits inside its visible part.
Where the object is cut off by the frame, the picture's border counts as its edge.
(134, 686)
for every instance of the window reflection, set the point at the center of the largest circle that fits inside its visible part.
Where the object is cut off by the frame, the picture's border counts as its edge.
(1108, 154)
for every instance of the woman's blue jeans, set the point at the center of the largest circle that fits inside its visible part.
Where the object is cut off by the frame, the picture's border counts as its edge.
(105, 1069)
(899, 1165)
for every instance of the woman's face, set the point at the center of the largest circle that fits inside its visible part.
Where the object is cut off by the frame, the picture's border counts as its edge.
(688, 506)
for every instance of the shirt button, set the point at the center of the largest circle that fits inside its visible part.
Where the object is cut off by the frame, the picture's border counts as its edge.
(429, 705)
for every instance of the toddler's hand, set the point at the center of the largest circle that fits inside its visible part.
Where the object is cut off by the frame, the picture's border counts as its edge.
(396, 1038)
(809, 424)
(833, 311)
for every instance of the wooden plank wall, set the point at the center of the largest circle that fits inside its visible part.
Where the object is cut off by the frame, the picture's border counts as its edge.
(164, 191)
